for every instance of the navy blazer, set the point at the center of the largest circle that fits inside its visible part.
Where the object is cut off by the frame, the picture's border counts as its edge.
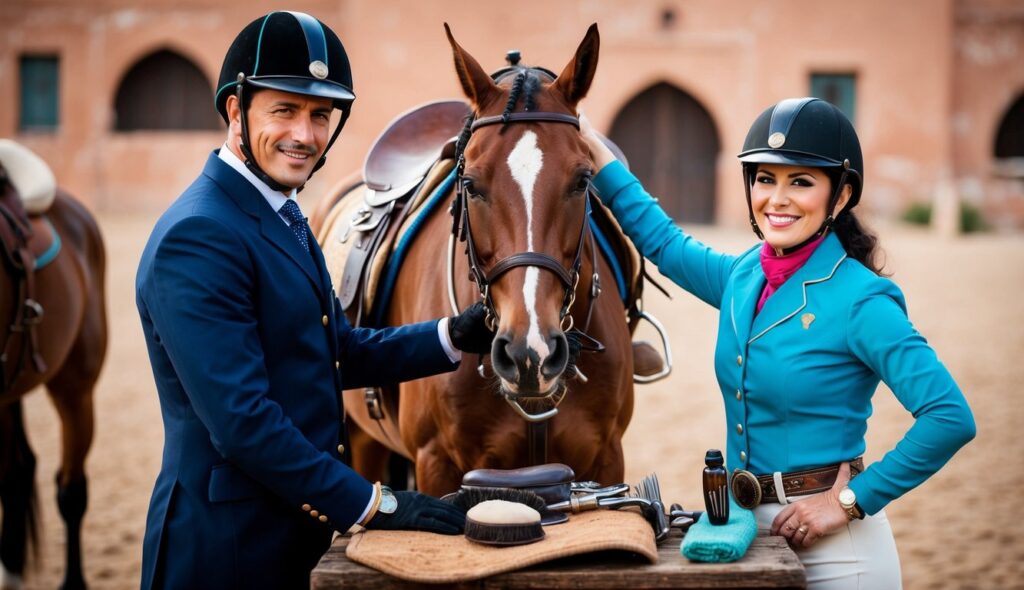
(250, 352)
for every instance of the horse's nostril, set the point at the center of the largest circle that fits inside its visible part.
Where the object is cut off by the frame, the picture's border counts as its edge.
(501, 357)
(556, 362)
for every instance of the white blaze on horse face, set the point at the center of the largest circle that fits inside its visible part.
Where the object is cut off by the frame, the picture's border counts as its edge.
(525, 162)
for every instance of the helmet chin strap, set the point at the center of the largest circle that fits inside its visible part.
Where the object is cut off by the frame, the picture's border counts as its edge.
(250, 160)
(825, 225)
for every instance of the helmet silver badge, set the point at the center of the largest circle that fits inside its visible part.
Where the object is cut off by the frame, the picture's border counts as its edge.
(776, 140)
(318, 69)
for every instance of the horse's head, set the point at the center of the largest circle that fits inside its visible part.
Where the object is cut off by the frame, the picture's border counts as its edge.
(524, 187)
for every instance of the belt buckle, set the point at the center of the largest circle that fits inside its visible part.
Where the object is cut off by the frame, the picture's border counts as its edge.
(745, 488)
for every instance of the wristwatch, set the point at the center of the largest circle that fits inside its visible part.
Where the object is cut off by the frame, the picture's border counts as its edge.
(848, 500)
(388, 501)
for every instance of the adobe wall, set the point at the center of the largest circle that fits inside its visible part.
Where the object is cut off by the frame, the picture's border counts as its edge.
(734, 58)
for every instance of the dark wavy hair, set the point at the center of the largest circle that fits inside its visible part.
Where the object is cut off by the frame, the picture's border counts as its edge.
(860, 243)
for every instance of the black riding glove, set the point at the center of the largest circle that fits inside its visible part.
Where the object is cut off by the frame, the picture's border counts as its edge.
(420, 512)
(469, 332)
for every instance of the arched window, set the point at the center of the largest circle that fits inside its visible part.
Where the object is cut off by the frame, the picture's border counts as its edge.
(164, 91)
(672, 146)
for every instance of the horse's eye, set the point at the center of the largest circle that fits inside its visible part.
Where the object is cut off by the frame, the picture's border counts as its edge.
(582, 184)
(470, 189)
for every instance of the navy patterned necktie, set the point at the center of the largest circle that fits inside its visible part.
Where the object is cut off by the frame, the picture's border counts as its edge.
(296, 222)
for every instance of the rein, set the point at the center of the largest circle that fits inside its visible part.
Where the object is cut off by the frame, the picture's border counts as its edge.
(15, 232)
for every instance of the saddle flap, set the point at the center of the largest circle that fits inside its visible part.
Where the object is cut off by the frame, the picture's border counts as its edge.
(30, 175)
(377, 196)
(409, 146)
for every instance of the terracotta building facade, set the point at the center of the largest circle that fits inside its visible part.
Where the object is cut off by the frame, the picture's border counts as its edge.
(117, 95)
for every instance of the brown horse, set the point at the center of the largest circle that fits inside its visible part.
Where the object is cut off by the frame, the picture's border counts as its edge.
(58, 338)
(524, 209)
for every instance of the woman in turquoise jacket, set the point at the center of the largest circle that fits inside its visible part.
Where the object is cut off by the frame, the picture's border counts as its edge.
(807, 329)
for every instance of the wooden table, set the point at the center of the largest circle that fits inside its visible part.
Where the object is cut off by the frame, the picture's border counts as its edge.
(769, 563)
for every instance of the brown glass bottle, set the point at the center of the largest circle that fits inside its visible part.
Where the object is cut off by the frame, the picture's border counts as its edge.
(716, 488)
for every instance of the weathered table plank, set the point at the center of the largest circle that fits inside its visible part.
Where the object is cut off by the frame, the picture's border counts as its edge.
(769, 563)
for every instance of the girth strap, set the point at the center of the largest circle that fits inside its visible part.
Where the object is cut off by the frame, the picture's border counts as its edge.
(537, 442)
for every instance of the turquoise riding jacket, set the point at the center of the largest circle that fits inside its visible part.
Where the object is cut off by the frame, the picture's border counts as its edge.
(798, 377)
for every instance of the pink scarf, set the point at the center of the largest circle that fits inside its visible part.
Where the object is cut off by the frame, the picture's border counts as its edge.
(778, 269)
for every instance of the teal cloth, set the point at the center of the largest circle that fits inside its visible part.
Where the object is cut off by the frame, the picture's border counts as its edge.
(722, 543)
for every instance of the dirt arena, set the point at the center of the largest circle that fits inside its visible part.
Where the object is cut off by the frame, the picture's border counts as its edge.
(958, 530)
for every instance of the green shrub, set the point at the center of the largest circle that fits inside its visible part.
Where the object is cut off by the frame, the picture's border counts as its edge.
(971, 219)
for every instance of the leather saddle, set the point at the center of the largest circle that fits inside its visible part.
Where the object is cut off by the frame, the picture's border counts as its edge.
(32, 178)
(404, 163)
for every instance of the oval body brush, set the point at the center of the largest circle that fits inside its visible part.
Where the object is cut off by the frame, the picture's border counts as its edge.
(500, 522)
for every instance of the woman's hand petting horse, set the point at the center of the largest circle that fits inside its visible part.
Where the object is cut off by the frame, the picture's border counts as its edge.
(810, 519)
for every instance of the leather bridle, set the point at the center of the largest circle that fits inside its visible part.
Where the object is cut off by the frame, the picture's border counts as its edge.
(461, 227)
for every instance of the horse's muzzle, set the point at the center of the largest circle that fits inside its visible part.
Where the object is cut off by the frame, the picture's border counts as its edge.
(527, 367)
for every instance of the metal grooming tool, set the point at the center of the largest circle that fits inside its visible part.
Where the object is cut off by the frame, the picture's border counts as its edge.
(587, 496)
(592, 487)
(584, 497)
(683, 519)
(650, 490)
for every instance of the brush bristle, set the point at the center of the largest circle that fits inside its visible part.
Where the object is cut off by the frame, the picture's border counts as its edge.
(503, 534)
(468, 497)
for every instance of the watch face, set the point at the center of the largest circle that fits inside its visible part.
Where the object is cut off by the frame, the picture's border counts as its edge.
(388, 502)
(847, 498)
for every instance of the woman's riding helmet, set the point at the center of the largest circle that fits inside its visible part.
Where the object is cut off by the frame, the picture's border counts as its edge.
(291, 52)
(805, 132)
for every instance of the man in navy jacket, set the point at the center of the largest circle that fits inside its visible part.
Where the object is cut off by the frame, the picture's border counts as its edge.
(250, 349)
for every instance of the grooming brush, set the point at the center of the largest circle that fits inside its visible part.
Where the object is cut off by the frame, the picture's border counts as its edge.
(503, 523)
(467, 498)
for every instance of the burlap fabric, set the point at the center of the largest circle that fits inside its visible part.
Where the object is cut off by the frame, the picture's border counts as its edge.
(431, 558)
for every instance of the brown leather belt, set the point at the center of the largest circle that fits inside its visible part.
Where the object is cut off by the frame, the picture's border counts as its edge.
(751, 490)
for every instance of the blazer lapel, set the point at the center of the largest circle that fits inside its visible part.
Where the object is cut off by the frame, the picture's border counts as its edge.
(791, 297)
(280, 235)
(321, 268)
(272, 227)
(744, 301)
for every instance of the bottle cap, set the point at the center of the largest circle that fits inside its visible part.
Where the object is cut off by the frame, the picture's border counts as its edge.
(713, 458)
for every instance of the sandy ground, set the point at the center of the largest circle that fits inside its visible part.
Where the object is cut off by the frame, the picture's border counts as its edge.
(961, 529)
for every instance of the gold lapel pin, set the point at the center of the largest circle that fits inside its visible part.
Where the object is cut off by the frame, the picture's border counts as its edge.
(807, 318)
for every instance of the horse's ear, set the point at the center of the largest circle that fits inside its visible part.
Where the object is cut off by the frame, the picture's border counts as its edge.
(575, 79)
(477, 85)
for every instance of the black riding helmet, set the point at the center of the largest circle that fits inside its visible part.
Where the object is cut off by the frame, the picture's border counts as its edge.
(805, 132)
(291, 52)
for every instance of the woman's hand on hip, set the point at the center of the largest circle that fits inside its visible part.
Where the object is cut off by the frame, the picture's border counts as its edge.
(803, 523)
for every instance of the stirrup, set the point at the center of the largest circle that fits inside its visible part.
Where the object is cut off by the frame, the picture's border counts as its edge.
(666, 347)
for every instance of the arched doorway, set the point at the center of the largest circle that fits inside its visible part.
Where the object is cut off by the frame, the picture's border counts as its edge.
(164, 91)
(672, 146)
(1010, 137)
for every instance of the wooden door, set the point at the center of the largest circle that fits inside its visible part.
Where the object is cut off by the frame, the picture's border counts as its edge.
(165, 91)
(672, 146)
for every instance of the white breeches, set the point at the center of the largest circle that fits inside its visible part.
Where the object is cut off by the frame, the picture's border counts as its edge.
(860, 556)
